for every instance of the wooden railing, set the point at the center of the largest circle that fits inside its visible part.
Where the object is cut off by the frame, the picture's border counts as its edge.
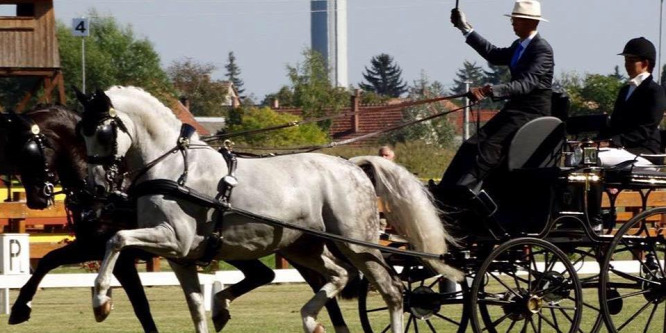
(47, 227)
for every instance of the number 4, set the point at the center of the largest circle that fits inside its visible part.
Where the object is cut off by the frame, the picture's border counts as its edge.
(81, 27)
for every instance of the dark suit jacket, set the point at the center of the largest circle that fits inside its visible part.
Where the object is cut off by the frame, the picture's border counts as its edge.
(530, 87)
(634, 123)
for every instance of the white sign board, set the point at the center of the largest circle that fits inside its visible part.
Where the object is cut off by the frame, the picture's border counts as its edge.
(14, 254)
(80, 27)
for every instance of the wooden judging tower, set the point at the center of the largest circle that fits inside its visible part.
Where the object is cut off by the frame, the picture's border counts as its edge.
(29, 47)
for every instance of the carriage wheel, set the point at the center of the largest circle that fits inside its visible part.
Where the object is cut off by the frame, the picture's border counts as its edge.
(428, 305)
(632, 287)
(526, 285)
(586, 261)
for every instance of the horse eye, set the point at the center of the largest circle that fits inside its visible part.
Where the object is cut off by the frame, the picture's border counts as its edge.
(105, 135)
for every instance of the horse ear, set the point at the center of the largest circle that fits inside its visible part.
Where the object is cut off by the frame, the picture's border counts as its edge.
(83, 99)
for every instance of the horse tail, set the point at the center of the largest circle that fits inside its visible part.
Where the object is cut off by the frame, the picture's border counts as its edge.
(410, 210)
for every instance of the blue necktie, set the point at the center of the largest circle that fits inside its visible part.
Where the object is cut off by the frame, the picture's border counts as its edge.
(516, 55)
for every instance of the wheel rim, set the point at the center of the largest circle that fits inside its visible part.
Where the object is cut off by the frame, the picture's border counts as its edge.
(633, 284)
(526, 285)
(428, 306)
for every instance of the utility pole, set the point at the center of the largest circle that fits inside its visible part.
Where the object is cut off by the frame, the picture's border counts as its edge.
(466, 113)
(661, 16)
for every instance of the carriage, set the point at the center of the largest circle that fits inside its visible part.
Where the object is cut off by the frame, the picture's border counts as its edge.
(537, 263)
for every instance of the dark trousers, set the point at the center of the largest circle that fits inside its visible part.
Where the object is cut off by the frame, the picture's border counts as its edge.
(485, 151)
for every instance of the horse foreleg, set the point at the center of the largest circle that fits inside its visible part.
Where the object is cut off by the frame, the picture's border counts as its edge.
(189, 281)
(126, 273)
(101, 301)
(256, 275)
(68, 254)
(147, 239)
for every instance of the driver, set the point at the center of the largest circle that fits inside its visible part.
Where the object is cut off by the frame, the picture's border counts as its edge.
(530, 60)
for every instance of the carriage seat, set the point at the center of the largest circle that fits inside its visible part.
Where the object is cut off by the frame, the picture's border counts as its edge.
(524, 190)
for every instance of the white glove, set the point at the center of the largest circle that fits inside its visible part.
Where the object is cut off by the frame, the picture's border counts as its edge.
(460, 21)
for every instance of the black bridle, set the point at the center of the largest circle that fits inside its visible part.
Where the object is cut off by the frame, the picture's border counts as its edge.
(105, 126)
(33, 153)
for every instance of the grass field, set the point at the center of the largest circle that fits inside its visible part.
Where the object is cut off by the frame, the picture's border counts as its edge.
(273, 308)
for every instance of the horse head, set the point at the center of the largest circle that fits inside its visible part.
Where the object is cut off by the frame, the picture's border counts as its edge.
(32, 154)
(107, 140)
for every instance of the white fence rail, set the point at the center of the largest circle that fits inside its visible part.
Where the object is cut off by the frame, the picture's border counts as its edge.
(210, 283)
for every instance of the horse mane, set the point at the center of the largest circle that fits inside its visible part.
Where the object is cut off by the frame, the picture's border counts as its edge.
(144, 108)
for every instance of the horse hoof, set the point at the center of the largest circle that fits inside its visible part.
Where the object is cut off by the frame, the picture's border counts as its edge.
(20, 313)
(103, 311)
(319, 329)
(221, 319)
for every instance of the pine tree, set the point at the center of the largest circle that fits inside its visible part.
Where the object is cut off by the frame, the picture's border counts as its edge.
(469, 73)
(233, 73)
(497, 74)
(384, 78)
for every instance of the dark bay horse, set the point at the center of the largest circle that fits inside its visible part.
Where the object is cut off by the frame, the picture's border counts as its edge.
(43, 148)
(55, 155)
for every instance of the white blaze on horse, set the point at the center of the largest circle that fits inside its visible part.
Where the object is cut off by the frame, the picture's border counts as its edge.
(313, 191)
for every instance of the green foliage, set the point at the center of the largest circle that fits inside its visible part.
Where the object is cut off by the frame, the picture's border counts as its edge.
(233, 73)
(371, 97)
(193, 80)
(470, 72)
(592, 94)
(114, 56)
(384, 78)
(255, 118)
(311, 89)
(439, 131)
(421, 158)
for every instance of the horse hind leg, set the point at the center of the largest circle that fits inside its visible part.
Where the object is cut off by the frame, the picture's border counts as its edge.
(316, 281)
(256, 274)
(382, 277)
(335, 275)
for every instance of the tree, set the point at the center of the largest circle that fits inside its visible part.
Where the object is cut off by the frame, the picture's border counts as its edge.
(233, 73)
(193, 80)
(384, 78)
(256, 118)
(471, 73)
(114, 56)
(439, 131)
(497, 74)
(592, 94)
(311, 88)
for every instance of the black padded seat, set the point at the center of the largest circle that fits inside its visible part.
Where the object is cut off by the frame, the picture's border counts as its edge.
(524, 190)
(537, 144)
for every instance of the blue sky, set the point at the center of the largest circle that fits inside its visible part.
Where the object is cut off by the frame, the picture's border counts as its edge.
(266, 35)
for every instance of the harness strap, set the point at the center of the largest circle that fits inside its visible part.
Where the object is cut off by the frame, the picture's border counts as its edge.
(172, 188)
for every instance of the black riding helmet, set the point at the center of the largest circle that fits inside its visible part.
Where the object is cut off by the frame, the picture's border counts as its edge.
(642, 48)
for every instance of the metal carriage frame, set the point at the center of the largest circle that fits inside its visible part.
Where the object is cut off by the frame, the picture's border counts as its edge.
(508, 289)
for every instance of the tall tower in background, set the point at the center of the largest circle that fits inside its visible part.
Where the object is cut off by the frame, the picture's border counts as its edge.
(328, 30)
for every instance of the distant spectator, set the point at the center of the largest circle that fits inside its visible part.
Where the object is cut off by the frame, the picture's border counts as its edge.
(387, 153)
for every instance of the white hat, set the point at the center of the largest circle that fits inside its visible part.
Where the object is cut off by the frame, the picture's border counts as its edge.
(527, 9)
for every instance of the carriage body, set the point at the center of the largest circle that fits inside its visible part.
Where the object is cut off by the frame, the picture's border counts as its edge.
(538, 253)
